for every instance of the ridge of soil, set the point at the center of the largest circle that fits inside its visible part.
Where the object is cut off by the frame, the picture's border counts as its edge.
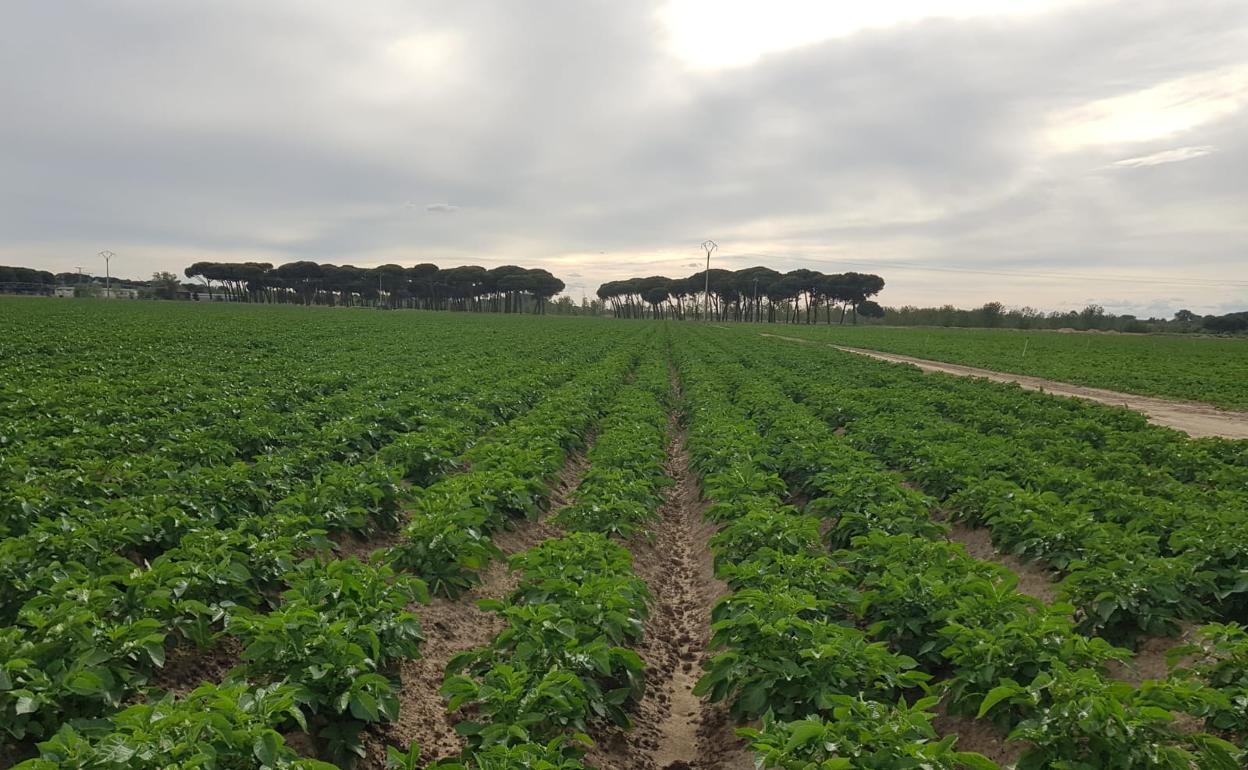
(1194, 418)
(453, 626)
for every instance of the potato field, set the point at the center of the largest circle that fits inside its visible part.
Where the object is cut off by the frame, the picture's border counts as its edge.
(280, 537)
(1194, 367)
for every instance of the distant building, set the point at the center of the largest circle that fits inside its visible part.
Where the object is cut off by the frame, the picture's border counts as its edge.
(96, 289)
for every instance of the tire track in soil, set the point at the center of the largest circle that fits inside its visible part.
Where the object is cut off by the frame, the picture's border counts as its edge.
(674, 729)
(453, 626)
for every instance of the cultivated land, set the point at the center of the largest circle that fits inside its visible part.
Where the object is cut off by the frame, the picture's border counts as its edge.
(280, 537)
(1191, 368)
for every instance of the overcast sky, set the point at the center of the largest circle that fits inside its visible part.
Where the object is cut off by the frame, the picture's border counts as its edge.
(1035, 152)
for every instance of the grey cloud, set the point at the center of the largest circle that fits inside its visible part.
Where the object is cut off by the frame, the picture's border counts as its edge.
(289, 129)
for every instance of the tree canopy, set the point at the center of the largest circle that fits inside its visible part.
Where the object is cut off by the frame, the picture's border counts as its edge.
(505, 289)
(752, 294)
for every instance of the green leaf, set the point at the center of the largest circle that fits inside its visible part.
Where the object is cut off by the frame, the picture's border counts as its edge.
(364, 706)
(156, 652)
(995, 696)
(266, 746)
(975, 761)
(803, 732)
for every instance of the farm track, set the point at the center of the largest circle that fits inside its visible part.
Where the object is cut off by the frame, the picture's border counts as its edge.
(673, 728)
(1193, 418)
(454, 626)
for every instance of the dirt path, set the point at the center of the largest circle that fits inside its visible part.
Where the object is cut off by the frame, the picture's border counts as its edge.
(1195, 419)
(451, 627)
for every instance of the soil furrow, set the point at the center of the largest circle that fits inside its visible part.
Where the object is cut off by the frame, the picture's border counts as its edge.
(673, 728)
(1151, 654)
(453, 626)
(1033, 578)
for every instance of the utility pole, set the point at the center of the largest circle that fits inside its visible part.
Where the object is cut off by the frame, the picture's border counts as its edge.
(710, 246)
(108, 276)
(755, 314)
(79, 269)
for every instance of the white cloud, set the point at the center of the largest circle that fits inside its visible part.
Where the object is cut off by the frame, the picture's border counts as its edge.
(1159, 111)
(1175, 155)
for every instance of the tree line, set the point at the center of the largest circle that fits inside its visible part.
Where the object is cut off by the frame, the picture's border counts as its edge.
(753, 294)
(505, 289)
(1089, 318)
(27, 280)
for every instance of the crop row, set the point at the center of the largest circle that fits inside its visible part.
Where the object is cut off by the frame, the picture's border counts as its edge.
(938, 611)
(1141, 551)
(331, 638)
(447, 541)
(90, 627)
(149, 447)
(1213, 690)
(827, 693)
(563, 658)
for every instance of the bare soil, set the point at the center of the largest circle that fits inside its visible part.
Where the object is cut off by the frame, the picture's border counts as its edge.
(674, 729)
(348, 545)
(455, 626)
(187, 667)
(1033, 579)
(1149, 661)
(980, 736)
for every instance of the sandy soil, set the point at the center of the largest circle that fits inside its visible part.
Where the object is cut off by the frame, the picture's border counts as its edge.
(451, 627)
(1193, 418)
(674, 729)
(1033, 579)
